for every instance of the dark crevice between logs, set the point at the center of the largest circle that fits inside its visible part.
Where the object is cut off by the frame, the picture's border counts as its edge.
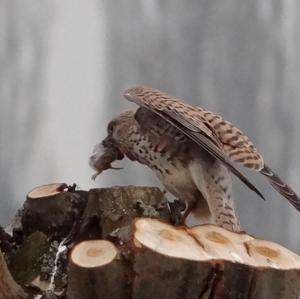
(217, 289)
(5, 241)
(214, 283)
(251, 286)
(207, 283)
(127, 260)
(196, 239)
(247, 249)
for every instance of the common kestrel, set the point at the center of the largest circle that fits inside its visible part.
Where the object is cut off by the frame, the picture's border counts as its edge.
(191, 150)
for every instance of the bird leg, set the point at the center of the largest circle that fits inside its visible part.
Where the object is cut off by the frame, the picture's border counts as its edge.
(189, 207)
(176, 207)
(179, 211)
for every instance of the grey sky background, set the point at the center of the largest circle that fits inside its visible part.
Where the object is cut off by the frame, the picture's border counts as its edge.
(64, 66)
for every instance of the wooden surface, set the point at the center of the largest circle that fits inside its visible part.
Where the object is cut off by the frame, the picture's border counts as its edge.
(118, 243)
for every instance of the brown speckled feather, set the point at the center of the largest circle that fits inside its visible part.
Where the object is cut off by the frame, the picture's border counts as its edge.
(232, 141)
(217, 135)
(184, 117)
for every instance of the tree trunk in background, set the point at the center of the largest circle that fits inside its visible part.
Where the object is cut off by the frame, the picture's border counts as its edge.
(23, 33)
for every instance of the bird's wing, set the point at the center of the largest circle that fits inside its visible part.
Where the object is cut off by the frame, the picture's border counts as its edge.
(184, 117)
(231, 141)
(285, 190)
(239, 148)
(215, 134)
(234, 142)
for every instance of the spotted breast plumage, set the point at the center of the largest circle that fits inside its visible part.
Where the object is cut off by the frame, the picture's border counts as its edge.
(191, 150)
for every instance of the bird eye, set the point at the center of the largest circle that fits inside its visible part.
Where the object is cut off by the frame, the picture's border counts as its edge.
(110, 128)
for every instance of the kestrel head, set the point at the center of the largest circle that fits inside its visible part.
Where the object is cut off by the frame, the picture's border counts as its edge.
(108, 150)
(118, 128)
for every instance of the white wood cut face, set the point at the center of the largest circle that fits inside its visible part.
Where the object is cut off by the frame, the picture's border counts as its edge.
(223, 244)
(164, 239)
(209, 242)
(45, 190)
(269, 254)
(90, 254)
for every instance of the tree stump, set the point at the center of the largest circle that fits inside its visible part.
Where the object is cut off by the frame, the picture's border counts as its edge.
(51, 209)
(118, 243)
(112, 210)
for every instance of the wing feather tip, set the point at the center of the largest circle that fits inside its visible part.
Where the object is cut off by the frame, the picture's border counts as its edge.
(281, 187)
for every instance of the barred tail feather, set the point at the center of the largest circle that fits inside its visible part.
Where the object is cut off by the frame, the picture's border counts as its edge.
(281, 187)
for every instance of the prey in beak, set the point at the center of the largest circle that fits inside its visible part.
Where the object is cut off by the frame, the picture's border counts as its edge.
(103, 156)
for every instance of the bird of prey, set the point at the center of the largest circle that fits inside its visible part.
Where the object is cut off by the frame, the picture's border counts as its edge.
(192, 151)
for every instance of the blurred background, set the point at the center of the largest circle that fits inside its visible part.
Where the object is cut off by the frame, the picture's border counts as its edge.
(65, 64)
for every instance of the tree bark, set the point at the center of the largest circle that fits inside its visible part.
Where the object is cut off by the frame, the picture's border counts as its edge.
(111, 211)
(95, 271)
(9, 289)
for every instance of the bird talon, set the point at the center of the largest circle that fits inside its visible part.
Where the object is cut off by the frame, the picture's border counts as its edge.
(176, 212)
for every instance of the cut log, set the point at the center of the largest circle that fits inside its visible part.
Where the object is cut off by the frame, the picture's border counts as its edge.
(271, 271)
(278, 271)
(95, 271)
(9, 289)
(141, 259)
(168, 262)
(50, 209)
(227, 265)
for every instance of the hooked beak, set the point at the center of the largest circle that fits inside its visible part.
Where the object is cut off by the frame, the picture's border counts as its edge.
(108, 143)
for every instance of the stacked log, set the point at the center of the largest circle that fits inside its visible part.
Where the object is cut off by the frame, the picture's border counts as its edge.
(52, 209)
(201, 262)
(118, 243)
(95, 271)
